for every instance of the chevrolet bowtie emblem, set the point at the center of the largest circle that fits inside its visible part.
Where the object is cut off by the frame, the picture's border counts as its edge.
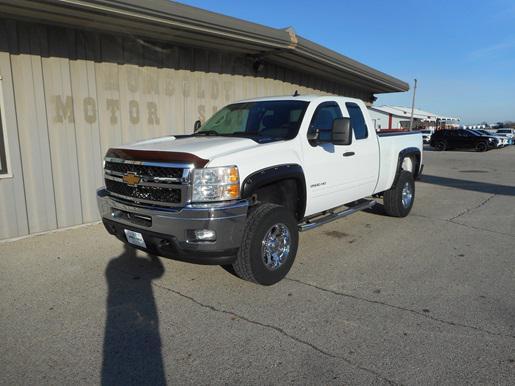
(131, 179)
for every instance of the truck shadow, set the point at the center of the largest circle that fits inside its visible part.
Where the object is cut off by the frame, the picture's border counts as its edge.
(475, 186)
(132, 343)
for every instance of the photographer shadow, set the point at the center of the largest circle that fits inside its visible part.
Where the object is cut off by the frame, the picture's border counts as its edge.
(132, 343)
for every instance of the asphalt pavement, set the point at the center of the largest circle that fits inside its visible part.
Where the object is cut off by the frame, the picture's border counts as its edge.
(428, 299)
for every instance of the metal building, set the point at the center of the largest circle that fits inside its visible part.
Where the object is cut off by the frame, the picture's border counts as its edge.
(77, 77)
(398, 118)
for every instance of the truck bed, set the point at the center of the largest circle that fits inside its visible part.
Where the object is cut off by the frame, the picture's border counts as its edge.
(390, 144)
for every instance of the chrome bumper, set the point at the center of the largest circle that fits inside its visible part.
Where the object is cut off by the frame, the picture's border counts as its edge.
(168, 232)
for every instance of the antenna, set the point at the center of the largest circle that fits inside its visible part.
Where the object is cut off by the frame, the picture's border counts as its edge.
(296, 93)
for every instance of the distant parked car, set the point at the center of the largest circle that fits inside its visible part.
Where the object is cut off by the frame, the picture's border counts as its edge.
(508, 133)
(503, 141)
(426, 135)
(462, 139)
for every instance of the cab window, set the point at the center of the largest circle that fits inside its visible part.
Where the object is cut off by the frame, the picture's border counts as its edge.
(357, 121)
(323, 119)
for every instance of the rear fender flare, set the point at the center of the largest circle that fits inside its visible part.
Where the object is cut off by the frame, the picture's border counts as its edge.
(415, 154)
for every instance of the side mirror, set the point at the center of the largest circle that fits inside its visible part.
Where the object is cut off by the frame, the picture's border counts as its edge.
(342, 133)
(314, 135)
(197, 125)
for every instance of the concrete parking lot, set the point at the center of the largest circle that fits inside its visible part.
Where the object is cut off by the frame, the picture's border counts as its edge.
(429, 299)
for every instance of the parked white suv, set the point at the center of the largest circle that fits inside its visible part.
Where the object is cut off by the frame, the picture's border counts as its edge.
(426, 135)
(506, 132)
(239, 189)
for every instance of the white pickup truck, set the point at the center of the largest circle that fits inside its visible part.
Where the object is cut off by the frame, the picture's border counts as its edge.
(240, 188)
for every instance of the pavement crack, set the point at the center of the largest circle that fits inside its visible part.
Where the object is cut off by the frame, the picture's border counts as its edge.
(404, 309)
(280, 331)
(464, 225)
(468, 210)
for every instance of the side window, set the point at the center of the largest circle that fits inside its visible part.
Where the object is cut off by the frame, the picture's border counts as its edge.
(3, 145)
(357, 121)
(323, 119)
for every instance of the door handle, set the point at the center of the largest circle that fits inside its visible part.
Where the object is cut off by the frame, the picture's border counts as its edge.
(348, 154)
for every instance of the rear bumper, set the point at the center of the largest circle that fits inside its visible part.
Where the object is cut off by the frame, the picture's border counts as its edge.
(168, 232)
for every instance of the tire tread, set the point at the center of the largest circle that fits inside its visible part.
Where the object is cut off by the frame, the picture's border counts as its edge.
(392, 198)
(242, 265)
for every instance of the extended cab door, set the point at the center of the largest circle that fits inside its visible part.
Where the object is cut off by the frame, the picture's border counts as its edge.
(336, 175)
(363, 165)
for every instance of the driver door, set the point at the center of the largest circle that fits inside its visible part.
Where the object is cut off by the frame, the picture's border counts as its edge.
(325, 167)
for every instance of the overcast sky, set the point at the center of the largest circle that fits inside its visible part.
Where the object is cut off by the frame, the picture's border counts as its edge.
(461, 52)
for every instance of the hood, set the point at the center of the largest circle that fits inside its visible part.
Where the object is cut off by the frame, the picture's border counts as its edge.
(204, 147)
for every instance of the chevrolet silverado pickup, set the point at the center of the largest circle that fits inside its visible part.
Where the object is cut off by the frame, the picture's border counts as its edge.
(239, 190)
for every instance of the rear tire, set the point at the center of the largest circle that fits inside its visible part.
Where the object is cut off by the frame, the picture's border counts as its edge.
(269, 245)
(441, 145)
(398, 201)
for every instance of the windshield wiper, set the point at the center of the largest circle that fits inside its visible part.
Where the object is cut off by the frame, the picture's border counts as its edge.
(245, 134)
(206, 132)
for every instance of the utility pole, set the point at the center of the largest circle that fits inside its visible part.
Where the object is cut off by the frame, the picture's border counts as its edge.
(413, 106)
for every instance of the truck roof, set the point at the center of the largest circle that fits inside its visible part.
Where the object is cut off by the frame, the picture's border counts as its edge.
(306, 98)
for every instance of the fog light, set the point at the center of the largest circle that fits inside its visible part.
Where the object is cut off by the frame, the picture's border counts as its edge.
(202, 235)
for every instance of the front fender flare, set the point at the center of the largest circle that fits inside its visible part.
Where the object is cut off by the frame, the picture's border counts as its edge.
(277, 173)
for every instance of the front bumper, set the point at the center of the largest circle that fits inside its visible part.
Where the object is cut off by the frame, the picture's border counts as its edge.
(168, 232)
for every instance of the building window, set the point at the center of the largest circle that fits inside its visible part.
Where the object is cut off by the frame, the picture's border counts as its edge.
(4, 158)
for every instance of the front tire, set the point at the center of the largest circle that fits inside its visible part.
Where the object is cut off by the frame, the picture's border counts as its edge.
(269, 245)
(398, 201)
(482, 146)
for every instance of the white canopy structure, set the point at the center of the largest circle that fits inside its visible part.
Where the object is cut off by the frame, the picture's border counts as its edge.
(398, 117)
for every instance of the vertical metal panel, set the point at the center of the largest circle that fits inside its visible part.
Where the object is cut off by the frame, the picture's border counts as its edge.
(61, 130)
(171, 101)
(153, 118)
(108, 94)
(89, 157)
(33, 131)
(188, 93)
(131, 112)
(13, 212)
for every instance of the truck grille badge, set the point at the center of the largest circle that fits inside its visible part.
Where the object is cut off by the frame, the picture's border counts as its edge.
(131, 179)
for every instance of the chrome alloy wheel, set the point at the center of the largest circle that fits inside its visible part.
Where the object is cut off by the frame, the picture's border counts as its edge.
(275, 246)
(407, 195)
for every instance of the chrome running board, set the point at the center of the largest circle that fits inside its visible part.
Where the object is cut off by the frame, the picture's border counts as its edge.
(332, 216)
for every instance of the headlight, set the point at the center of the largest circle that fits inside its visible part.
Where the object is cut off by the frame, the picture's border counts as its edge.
(216, 184)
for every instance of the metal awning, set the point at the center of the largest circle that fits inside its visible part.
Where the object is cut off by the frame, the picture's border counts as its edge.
(168, 21)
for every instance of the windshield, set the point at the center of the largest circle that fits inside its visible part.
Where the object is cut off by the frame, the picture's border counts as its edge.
(259, 120)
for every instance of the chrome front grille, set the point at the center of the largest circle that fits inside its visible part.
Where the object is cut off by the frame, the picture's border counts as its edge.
(119, 168)
(151, 183)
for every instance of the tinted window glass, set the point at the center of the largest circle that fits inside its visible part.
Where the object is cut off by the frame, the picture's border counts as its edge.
(323, 119)
(357, 121)
(267, 119)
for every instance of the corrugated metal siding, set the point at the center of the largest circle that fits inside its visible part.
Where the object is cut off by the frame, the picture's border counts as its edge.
(70, 95)
(33, 134)
(13, 213)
